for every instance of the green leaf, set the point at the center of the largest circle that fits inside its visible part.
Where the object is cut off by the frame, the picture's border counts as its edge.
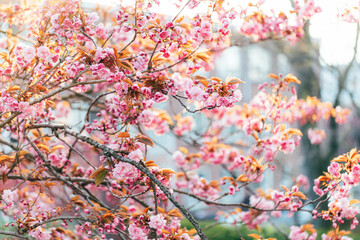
(101, 176)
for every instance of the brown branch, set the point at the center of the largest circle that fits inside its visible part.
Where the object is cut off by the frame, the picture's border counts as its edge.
(107, 39)
(75, 150)
(13, 234)
(108, 151)
(53, 172)
(18, 36)
(209, 202)
(182, 9)
(15, 114)
(8, 144)
(92, 40)
(181, 60)
(46, 178)
(127, 45)
(192, 111)
(93, 102)
(151, 56)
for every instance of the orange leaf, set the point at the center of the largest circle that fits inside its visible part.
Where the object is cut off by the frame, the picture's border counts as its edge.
(242, 178)
(340, 159)
(57, 147)
(128, 81)
(75, 198)
(203, 56)
(49, 184)
(353, 152)
(216, 79)
(271, 75)
(299, 194)
(183, 149)
(126, 65)
(294, 131)
(124, 207)
(285, 188)
(123, 135)
(192, 231)
(41, 88)
(179, 19)
(186, 26)
(253, 235)
(145, 140)
(175, 213)
(150, 163)
(234, 81)
(354, 201)
(167, 171)
(43, 146)
(291, 78)
(80, 203)
(161, 210)
(204, 82)
(13, 88)
(6, 158)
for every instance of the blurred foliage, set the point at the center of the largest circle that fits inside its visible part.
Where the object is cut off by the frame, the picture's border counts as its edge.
(215, 231)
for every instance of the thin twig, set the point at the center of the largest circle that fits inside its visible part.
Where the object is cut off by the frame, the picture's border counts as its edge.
(13, 234)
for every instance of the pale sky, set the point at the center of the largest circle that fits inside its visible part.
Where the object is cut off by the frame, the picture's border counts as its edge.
(337, 38)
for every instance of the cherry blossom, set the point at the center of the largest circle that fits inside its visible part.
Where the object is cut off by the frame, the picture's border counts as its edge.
(316, 135)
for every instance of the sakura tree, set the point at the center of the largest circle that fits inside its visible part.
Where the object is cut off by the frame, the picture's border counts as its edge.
(125, 67)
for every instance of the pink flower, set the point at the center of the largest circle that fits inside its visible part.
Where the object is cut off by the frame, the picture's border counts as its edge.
(136, 233)
(231, 190)
(136, 155)
(238, 95)
(40, 233)
(157, 222)
(101, 31)
(9, 196)
(3, 42)
(195, 93)
(43, 52)
(29, 53)
(125, 171)
(334, 169)
(55, 159)
(205, 31)
(185, 236)
(304, 181)
(316, 135)
(223, 102)
(211, 101)
(184, 125)
(159, 97)
(256, 124)
(179, 158)
(164, 35)
(194, 3)
(3, 169)
(146, 118)
(287, 146)
(297, 233)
